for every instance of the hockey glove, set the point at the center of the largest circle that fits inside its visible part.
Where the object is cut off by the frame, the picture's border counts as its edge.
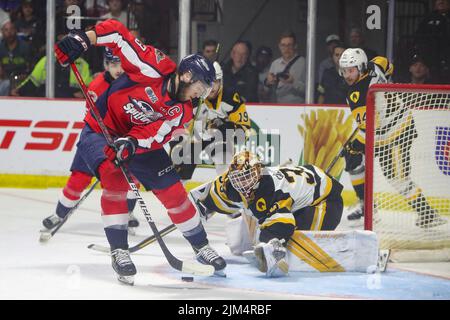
(355, 147)
(71, 47)
(215, 123)
(122, 151)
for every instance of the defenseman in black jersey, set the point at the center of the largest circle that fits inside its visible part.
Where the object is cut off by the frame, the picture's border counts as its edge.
(359, 74)
(282, 199)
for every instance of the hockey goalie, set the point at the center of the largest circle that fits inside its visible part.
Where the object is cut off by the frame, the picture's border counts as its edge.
(288, 218)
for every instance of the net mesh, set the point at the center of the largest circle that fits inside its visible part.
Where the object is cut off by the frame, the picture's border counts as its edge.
(411, 169)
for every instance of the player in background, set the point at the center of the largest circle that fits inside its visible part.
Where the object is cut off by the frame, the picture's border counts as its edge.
(359, 74)
(141, 110)
(81, 176)
(282, 199)
(221, 111)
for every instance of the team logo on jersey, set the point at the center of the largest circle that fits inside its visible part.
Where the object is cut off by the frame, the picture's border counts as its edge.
(354, 96)
(141, 113)
(159, 56)
(93, 95)
(261, 205)
(151, 94)
(443, 149)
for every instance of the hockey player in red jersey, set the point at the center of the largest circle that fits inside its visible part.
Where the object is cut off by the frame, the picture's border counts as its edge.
(81, 176)
(141, 110)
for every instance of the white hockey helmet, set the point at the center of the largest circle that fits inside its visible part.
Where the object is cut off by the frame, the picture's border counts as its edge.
(353, 57)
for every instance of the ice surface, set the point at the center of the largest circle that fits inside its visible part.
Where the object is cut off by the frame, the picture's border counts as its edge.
(65, 269)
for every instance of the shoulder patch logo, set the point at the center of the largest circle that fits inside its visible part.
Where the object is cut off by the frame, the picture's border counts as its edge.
(151, 94)
(93, 95)
(354, 96)
(159, 55)
(236, 98)
(261, 205)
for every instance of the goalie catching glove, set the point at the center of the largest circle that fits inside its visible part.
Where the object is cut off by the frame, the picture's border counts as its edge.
(71, 47)
(122, 151)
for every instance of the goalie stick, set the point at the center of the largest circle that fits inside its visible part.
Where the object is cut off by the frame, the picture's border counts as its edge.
(183, 266)
(48, 234)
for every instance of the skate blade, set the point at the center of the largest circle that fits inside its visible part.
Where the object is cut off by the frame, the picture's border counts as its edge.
(128, 280)
(220, 273)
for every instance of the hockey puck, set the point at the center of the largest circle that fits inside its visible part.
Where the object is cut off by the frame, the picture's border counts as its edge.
(187, 279)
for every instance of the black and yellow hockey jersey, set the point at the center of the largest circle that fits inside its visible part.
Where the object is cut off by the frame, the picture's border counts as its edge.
(279, 195)
(357, 93)
(228, 106)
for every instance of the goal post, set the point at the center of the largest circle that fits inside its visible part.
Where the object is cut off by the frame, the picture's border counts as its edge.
(407, 177)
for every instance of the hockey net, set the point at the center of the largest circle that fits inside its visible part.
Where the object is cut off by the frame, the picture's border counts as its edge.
(407, 196)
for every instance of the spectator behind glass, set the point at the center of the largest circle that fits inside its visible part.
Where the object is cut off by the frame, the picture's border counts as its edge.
(29, 28)
(14, 52)
(331, 41)
(239, 75)
(357, 40)
(116, 12)
(96, 8)
(209, 50)
(287, 86)
(4, 82)
(263, 60)
(419, 71)
(66, 84)
(433, 40)
(4, 16)
(332, 89)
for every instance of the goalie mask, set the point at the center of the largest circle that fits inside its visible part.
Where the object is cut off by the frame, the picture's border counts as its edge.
(245, 172)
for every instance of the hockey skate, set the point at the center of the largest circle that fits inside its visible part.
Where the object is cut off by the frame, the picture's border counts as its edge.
(133, 223)
(356, 213)
(51, 221)
(123, 266)
(208, 255)
(271, 258)
(429, 220)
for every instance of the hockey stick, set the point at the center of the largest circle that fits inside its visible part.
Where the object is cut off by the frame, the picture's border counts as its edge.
(149, 240)
(48, 234)
(138, 246)
(341, 152)
(184, 266)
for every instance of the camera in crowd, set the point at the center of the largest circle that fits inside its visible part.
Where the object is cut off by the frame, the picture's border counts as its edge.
(282, 75)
